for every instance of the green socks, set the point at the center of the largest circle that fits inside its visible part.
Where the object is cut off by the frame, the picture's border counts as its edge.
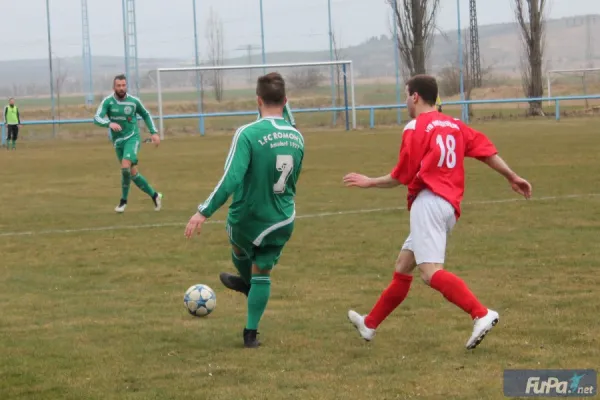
(143, 184)
(125, 182)
(243, 264)
(138, 179)
(260, 291)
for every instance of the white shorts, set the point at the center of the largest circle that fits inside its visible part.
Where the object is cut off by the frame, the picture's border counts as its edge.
(431, 220)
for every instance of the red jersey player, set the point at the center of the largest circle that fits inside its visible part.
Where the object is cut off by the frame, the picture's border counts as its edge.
(431, 165)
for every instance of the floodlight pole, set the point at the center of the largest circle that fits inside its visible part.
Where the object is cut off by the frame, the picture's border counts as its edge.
(51, 69)
(333, 97)
(262, 36)
(199, 86)
(397, 60)
(465, 116)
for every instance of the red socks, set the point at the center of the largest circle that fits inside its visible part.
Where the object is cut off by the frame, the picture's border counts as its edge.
(390, 298)
(456, 291)
(451, 286)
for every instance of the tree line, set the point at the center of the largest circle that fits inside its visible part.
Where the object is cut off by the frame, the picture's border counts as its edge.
(416, 25)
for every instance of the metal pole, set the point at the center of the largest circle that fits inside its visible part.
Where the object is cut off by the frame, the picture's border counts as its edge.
(397, 60)
(262, 36)
(51, 70)
(87, 54)
(333, 97)
(346, 96)
(161, 124)
(460, 62)
(137, 70)
(125, 39)
(199, 87)
(352, 95)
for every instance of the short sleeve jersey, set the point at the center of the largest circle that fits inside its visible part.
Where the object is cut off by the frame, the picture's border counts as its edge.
(432, 155)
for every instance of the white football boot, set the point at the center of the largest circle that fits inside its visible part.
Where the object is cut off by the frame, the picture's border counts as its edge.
(121, 207)
(359, 323)
(481, 328)
(157, 201)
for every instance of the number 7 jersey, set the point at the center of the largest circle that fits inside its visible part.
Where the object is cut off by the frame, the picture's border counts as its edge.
(434, 146)
(261, 172)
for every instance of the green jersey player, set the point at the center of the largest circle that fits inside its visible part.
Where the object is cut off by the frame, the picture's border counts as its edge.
(119, 112)
(261, 172)
(287, 114)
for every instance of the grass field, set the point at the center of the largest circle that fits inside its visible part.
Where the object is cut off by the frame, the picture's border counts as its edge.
(92, 302)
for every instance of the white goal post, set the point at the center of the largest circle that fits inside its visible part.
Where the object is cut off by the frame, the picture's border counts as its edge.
(347, 63)
(580, 71)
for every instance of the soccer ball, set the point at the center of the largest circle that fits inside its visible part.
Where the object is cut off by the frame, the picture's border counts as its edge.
(200, 300)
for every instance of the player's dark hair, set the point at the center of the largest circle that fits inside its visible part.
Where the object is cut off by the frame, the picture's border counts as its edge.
(271, 89)
(425, 86)
(120, 77)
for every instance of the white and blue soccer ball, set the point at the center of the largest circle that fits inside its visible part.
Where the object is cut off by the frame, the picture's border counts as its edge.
(200, 300)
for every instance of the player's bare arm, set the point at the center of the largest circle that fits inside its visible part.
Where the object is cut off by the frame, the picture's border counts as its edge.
(194, 224)
(363, 181)
(155, 137)
(115, 127)
(517, 183)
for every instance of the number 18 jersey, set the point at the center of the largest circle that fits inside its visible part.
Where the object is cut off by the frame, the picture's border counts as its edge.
(261, 172)
(434, 146)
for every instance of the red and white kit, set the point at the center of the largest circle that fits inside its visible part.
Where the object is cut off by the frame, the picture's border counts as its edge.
(431, 165)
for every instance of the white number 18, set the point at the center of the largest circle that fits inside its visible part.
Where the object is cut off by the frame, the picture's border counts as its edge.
(285, 165)
(447, 151)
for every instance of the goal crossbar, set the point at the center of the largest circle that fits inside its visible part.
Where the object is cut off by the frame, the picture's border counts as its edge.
(565, 71)
(254, 66)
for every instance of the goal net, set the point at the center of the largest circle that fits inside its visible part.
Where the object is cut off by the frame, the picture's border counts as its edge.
(223, 97)
(574, 82)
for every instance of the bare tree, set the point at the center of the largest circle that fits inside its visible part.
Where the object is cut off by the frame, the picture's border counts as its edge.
(305, 78)
(338, 54)
(415, 20)
(449, 83)
(59, 83)
(216, 53)
(532, 23)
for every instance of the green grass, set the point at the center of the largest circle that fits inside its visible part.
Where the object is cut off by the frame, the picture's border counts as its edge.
(97, 312)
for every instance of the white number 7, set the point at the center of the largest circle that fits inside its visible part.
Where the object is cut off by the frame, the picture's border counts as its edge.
(285, 165)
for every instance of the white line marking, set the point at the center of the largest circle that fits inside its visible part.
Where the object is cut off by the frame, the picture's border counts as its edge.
(307, 216)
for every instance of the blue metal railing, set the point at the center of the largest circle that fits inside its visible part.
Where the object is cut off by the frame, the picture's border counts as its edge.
(370, 108)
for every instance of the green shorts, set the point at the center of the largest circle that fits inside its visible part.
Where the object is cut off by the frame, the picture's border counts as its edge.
(128, 149)
(266, 254)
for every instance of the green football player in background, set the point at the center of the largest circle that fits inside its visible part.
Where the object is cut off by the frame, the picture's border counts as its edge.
(261, 172)
(119, 112)
(287, 114)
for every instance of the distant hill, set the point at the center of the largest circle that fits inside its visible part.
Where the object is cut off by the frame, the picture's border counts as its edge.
(500, 49)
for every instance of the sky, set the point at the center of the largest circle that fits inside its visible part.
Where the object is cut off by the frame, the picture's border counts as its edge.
(165, 28)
